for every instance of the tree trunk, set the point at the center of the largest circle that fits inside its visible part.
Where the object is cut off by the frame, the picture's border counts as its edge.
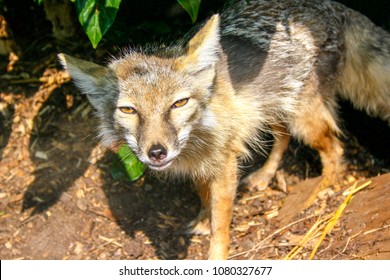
(7, 42)
(60, 14)
(8, 46)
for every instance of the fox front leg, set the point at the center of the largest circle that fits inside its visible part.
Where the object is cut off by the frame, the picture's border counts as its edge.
(222, 194)
(201, 224)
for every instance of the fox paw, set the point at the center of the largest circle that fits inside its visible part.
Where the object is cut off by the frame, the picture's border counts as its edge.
(257, 181)
(200, 225)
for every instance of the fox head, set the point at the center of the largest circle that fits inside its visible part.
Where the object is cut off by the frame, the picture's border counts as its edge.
(153, 103)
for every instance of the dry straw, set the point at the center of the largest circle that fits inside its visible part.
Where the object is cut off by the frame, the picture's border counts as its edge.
(325, 224)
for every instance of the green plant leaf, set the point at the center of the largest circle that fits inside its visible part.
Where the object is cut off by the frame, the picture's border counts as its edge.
(192, 8)
(96, 17)
(133, 167)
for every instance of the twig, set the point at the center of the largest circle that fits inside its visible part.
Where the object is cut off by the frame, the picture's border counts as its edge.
(260, 244)
(253, 197)
(28, 81)
(349, 239)
(110, 240)
(376, 229)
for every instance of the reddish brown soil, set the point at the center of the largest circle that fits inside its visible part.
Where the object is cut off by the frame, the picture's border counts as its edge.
(59, 201)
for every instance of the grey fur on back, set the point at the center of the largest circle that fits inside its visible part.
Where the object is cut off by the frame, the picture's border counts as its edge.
(296, 39)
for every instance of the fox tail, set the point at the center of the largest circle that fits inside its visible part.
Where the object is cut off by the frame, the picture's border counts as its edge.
(365, 78)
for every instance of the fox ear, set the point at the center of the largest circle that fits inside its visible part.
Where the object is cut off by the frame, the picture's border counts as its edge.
(203, 49)
(90, 78)
(87, 75)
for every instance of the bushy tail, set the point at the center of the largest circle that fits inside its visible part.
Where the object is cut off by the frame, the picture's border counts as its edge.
(365, 79)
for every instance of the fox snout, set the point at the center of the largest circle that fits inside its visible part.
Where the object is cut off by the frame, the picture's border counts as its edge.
(158, 157)
(157, 153)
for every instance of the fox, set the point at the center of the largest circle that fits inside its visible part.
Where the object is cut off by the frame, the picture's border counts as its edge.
(198, 110)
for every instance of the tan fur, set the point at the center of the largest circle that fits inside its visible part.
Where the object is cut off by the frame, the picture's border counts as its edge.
(262, 64)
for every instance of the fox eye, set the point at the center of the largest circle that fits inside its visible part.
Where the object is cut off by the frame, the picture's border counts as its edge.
(180, 103)
(127, 110)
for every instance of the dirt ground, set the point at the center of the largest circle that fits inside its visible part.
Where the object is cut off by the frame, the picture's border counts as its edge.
(58, 199)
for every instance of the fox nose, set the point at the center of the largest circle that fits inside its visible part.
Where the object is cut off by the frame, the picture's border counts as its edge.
(157, 152)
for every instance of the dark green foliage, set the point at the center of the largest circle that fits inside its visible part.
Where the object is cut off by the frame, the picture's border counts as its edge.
(192, 8)
(96, 17)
